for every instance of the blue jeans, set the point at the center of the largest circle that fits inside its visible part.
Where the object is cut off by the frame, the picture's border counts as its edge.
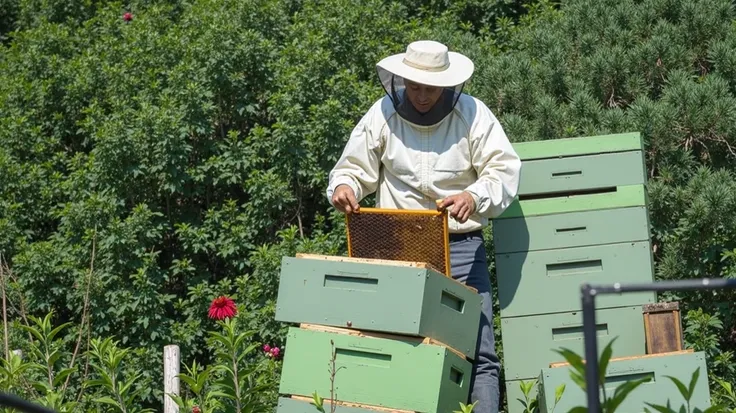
(468, 265)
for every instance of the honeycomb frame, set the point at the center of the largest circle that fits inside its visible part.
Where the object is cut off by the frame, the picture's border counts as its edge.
(418, 236)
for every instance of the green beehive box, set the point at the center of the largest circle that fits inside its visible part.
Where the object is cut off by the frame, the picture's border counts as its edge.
(572, 174)
(548, 281)
(529, 343)
(658, 389)
(293, 405)
(375, 295)
(395, 372)
(573, 229)
(579, 174)
(561, 166)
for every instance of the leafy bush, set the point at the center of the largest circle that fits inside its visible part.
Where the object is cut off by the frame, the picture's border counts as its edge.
(150, 164)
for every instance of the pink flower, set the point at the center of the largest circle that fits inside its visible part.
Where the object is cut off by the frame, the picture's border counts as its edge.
(127, 17)
(275, 352)
(222, 307)
(266, 348)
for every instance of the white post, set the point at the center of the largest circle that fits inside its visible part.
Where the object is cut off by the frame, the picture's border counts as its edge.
(171, 381)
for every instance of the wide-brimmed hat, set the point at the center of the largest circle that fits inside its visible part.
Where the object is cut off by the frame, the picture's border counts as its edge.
(430, 63)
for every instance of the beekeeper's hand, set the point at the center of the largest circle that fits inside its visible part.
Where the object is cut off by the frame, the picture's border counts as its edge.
(344, 199)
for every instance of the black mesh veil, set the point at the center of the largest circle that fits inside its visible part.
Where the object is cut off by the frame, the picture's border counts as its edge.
(396, 90)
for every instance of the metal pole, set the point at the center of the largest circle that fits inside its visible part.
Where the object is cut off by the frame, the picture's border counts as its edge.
(589, 292)
(591, 348)
(11, 400)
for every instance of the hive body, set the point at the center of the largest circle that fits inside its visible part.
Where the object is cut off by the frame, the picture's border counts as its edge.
(580, 217)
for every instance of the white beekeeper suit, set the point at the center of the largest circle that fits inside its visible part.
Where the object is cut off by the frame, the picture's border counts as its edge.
(412, 158)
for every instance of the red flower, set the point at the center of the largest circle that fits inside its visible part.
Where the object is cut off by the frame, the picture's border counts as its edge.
(266, 348)
(196, 409)
(222, 307)
(127, 17)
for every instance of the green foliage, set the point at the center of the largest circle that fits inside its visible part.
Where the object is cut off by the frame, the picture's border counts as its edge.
(609, 404)
(687, 393)
(234, 382)
(106, 377)
(531, 404)
(151, 165)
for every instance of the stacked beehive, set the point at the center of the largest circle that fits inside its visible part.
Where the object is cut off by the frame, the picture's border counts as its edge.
(581, 217)
(402, 335)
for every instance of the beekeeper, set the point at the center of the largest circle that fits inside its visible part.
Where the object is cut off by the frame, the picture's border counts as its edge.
(427, 145)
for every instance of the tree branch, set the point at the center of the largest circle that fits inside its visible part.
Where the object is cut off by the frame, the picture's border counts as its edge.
(5, 309)
(85, 310)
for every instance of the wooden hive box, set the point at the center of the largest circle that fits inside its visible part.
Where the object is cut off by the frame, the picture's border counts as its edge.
(401, 373)
(657, 390)
(575, 221)
(548, 281)
(580, 217)
(529, 343)
(376, 295)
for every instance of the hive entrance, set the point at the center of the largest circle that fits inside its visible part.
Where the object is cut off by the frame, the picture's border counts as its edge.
(402, 235)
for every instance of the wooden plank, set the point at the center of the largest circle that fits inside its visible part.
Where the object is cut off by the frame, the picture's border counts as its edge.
(622, 197)
(560, 176)
(635, 357)
(373, 261)
(374, 334)
(664, 306)
(554, 148)
(663, 327)
(172, 364)
(339, 403)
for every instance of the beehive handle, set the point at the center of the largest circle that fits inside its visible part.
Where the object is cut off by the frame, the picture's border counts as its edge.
(566, 174)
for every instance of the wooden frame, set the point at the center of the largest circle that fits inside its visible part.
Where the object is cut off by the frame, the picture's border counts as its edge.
(375, 261)
(377, 334)
(663, 327)
(338, 403)
(390, 211)
(642, 356)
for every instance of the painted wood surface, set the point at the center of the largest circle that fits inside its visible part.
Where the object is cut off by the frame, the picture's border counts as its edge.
(529, 342)
(548, 281)
(657, 390)
(303, 405)
(375, 371)
(376, 297)
(622, 197)
(587, 145)
(574, 229)
(564, 175)
(363, 333)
